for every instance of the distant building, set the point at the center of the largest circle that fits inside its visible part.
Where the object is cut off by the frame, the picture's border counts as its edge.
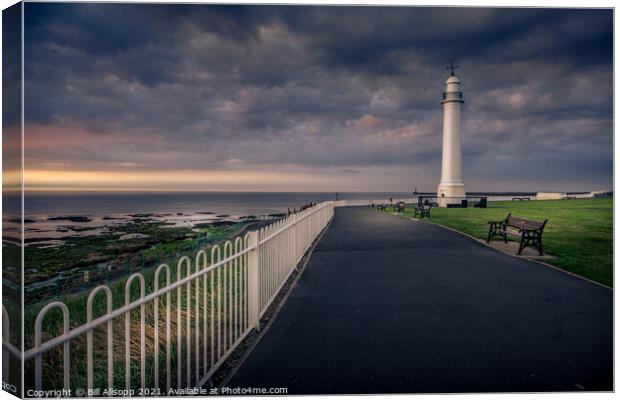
(601, 193)
(550, 195)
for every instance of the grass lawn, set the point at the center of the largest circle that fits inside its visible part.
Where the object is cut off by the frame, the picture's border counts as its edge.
(579, 232)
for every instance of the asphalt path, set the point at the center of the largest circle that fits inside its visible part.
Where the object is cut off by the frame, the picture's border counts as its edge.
(390, 305)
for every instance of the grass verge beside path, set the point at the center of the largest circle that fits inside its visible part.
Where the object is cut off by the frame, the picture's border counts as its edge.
(579, 232)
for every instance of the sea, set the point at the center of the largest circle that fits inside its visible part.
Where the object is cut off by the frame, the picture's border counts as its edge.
(233, 203)
(56, 215)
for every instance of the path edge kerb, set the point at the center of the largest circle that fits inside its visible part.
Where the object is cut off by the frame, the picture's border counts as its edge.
(483, 243)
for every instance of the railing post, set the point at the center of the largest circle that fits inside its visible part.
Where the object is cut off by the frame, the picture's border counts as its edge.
(254, 280)
(294, 223)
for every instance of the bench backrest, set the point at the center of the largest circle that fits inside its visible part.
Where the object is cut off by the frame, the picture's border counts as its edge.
(524, 223)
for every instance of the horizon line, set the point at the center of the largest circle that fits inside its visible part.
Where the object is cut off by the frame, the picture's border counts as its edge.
(91, 190)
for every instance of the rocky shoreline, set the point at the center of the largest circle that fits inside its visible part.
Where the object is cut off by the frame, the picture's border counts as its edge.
(62, 258)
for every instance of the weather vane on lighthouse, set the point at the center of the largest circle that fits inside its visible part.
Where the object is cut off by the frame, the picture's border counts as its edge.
(452, 67)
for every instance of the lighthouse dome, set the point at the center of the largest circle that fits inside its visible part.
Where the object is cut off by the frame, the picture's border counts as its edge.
(452, 84)
(453, 79)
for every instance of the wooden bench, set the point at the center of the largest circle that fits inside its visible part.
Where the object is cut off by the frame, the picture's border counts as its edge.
(422, 211)
(529, 231)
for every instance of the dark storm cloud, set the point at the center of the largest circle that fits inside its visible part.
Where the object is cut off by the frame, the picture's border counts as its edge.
(11, 66)
(319, 87)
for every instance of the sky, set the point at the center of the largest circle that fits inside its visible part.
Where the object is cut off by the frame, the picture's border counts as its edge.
(298, 98)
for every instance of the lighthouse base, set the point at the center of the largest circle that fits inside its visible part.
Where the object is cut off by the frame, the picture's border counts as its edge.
(450, 193)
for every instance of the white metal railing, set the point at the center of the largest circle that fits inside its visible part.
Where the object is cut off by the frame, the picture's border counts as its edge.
(219, 297)
(377, 201)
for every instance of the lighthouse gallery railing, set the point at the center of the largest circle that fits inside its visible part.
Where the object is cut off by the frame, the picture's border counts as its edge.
(452, 96)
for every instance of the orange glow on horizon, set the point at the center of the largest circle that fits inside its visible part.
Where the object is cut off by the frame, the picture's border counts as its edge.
(162, 180)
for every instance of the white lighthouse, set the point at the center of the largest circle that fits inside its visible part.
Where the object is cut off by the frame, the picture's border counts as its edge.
(451, 187)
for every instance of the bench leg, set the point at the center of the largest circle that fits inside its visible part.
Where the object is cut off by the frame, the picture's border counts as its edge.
(496, 230)
(522, 245)
(531, 239)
